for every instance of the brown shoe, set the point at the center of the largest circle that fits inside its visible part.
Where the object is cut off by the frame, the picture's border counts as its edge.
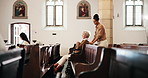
(56, 64)
(57, 68)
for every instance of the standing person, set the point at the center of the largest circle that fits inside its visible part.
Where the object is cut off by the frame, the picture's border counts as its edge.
(25, 41)
(100, 33)
(78, 47)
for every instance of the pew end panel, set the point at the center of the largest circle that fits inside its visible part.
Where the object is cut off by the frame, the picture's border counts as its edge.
(102, 70)
(87, 60)
(81, 67)
(40, 60)
(31, 69)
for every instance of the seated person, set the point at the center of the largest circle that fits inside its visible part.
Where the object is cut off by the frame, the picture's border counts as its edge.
(78, 47)
(25, 40)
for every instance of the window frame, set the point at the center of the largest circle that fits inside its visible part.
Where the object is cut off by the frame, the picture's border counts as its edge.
(12, 31)
(54, 15)
(134, 14)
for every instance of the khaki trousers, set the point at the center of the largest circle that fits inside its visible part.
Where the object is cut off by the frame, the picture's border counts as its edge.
(103, 43)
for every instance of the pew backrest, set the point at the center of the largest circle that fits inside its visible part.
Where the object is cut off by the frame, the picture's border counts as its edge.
(120, 63)
(39, 62)
(141, 48)
(102, 70)
(56, 53)
(11, 63)
(81, 67)
(88, 59)
(128, 64)
(90, 53)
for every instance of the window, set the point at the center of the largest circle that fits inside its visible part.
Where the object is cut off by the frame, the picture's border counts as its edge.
(54, 10)
(16, 29)
(134, 12)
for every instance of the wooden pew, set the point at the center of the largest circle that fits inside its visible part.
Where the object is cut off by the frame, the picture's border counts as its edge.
(120, 63)
(11, 63)
(90, 59)
(141, 48)
(55, 56)
(39, 60)
(37, 65)
(128, 64)
(102, 70)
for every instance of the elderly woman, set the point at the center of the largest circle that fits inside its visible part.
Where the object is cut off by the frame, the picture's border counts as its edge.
(60, 63)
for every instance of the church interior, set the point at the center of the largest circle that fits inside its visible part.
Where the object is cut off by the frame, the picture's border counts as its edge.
(53, 29)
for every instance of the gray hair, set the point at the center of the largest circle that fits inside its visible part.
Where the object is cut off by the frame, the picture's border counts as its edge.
(86, 33)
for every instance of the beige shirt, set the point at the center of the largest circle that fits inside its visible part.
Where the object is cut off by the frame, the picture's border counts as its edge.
(25, 43)
(100, 33)
(22, 44)
(83, 42)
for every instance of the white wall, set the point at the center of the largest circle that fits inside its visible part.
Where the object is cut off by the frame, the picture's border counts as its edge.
(36, 17)
(122, 34)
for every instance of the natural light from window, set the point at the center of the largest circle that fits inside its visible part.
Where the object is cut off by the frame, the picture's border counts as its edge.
(16, 29)
(54, 12)
(134, 12)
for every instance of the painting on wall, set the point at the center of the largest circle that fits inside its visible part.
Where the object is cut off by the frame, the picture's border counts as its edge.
(20, 10)
(83, 10)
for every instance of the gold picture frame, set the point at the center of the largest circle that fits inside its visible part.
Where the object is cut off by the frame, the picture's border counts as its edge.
(83, 10)
(19, 10)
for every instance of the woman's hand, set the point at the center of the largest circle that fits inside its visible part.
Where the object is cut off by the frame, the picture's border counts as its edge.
(91, 43)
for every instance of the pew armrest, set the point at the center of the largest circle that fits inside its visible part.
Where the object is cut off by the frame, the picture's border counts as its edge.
(81, 67)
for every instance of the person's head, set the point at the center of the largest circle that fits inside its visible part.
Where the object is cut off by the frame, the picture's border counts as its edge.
(85, 34)
(23, 36)
(96, 19)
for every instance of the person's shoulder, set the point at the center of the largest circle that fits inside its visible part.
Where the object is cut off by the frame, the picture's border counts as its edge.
(26, 43)
(101, 26)
(86, 41)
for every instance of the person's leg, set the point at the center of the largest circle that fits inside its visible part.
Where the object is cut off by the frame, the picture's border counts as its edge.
(61, 62)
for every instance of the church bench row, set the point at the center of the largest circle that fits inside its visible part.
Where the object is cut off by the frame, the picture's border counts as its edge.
(116, 63)
(88, 59)
(39, 60)
(143, 48)
(120, 63)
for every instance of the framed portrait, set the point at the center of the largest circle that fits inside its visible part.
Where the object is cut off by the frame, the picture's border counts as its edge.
(20, 10)
(83, 10)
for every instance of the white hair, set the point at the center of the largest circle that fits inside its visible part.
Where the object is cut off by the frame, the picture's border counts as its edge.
(86, 33)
